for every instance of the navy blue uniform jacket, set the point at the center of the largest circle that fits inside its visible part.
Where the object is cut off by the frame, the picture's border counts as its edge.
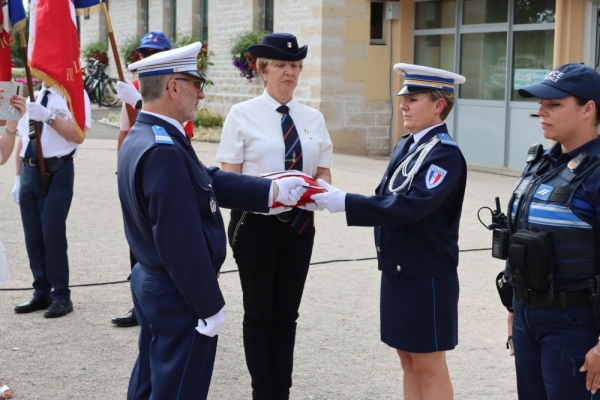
(416, 230)
(172, 219)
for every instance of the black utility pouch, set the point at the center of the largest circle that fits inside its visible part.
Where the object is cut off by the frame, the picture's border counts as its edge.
(530, 256)
(505, 291)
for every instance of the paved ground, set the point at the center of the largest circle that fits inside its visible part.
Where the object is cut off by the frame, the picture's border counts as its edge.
(338, 352)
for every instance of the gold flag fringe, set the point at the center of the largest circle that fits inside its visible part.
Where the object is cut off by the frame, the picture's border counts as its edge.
(50, 82)
(18, 26)
(84, 12)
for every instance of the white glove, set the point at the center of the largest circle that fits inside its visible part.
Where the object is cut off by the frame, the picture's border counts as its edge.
(333, 199)
(15, 191)
(290, 190)
(211, 326)
(128, 93)
(38, 112)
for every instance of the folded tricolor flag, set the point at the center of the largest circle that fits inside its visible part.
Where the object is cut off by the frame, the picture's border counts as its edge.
(312, 187)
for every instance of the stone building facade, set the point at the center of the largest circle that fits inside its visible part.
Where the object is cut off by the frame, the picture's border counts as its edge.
(344, 76)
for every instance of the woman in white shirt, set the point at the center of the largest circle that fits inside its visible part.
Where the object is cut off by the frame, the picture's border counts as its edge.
(270, 133)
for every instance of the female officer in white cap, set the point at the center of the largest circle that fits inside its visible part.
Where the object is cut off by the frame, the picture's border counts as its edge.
(416, 214)
(554, 257)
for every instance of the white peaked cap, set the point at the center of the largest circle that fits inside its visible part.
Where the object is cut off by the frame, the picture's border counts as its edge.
(419, 79)
(183, 59)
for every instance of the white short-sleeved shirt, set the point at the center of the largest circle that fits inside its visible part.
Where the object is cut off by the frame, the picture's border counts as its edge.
(252, 136)
(53, 144)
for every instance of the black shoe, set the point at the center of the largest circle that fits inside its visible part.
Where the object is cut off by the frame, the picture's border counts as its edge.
(59, 308)
(126, 320)
(33, 304)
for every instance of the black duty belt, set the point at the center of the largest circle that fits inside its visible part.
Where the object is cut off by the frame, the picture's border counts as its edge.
(560, 300)
(52, 164)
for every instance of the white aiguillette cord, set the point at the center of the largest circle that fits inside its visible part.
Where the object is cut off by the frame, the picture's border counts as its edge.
(422, 150)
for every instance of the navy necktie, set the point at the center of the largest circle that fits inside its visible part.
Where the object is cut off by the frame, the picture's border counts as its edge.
(293, 160)
(31, 151)
(293, 148)
(409, 141)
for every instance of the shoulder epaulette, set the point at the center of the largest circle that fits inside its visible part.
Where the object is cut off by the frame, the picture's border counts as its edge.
(446, 139)
(161, 135)
(534, 152)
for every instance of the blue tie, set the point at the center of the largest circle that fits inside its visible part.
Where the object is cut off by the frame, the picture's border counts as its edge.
(293, 160)
(293, 148)
(31, 151)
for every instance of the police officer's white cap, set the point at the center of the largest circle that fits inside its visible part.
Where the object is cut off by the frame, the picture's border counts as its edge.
(419, 79)
(183, 60)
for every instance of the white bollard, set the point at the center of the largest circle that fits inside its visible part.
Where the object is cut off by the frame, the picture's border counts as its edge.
(4, 275)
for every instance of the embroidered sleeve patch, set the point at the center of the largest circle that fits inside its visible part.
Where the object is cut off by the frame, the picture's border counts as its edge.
(434, 176)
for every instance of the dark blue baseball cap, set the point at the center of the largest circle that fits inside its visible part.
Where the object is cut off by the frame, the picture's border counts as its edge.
(567, 80)
(154, 40)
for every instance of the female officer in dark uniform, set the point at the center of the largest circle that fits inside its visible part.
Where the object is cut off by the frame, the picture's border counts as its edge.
(556, 213)
(416, 214)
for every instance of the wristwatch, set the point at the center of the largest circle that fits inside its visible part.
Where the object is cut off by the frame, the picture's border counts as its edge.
(50, 120)
(56, 113)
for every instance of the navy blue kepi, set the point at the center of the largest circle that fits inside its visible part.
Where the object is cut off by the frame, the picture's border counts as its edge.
(279, 46)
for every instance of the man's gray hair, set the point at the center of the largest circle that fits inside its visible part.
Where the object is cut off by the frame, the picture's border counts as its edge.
(153, 87)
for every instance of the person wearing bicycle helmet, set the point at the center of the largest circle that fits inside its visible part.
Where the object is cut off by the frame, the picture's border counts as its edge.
(151, 43)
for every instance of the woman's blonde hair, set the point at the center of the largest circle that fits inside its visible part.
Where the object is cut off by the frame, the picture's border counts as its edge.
(263, 63)
(450, 98)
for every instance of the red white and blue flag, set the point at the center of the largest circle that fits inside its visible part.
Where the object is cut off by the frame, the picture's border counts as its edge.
(434, 176)
(12, 18)
(54, 55)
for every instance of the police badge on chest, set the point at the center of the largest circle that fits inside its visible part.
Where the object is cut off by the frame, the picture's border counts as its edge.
(213, 205)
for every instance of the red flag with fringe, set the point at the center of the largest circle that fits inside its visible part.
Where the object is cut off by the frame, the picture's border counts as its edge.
(55, 53)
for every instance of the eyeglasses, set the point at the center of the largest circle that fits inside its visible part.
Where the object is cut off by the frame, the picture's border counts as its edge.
(197, 83)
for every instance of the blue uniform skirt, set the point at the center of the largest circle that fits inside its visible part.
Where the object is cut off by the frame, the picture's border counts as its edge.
(419, 315)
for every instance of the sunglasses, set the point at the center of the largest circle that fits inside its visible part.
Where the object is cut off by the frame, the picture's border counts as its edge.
(198, 84)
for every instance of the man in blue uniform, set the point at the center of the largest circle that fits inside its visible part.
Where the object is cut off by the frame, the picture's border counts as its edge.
(416, 214)
(173, 224)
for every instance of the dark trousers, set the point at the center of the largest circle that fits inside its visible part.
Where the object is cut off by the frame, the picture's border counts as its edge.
(44, 223)
(273, 261)
(550, 347)
(174, 361)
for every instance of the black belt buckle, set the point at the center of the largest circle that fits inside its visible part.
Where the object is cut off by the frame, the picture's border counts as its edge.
(284, 216)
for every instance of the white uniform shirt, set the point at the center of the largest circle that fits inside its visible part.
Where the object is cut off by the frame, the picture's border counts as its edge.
(252, 136)
(53, 144)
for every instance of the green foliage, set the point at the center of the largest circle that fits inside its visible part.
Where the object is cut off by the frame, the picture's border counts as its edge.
(207, 119)
(127, 49)
(96, 50)
(241, 59)
(243, 40)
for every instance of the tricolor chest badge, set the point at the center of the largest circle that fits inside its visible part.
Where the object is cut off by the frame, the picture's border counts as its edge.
(213, 205)
(289, 45)
(434, 176)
